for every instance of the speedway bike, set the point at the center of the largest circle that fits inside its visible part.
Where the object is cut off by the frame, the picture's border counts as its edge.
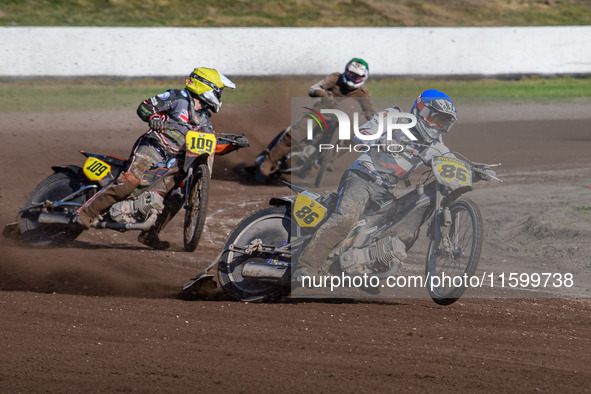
(258, 256)
(305, 161)
(46, 219)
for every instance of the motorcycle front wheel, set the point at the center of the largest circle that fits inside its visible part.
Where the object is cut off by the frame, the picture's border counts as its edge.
(454, 253)
(53, 188)
(196, 211)
(273, 227)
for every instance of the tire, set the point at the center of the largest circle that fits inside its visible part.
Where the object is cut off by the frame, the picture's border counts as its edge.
(196, 212)
(466, 235)
(52, 188)
(273, 227)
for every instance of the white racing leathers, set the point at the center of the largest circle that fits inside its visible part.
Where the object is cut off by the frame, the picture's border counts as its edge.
(369, 180)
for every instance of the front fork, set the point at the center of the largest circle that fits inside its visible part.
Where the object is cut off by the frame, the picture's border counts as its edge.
(191, 173)
(188, 183)
(441, 219)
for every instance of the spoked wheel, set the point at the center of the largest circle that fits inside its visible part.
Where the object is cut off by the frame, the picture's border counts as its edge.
(273, 227)
(454, 253)
(197, 209)
(53, 188)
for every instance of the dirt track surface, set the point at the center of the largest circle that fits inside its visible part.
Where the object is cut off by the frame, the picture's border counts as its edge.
(103, 315)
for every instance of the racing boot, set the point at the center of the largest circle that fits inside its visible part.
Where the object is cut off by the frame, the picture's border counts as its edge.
(82, 220)
(266, 164)
(150, 238)
(299, 273)
(104, 199)
(304, 275)
(262, 160)
(172, 205)
(88, 213)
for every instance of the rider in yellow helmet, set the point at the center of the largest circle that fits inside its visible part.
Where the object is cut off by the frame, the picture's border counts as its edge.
(191, 109)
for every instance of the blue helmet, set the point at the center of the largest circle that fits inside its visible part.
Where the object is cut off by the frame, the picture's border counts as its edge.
(435, 112)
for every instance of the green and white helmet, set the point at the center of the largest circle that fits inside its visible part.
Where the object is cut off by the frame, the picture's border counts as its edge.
(356, 73)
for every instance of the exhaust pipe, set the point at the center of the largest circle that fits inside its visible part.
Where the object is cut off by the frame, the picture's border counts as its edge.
(53, 218)
(56, 218)
(264, 271)
(145, 225)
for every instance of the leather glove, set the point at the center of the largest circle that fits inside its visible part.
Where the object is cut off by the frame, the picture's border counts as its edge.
(240, 141)
(486, 173)
(156, 123)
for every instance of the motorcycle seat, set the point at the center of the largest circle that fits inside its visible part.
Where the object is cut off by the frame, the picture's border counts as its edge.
(112, 160)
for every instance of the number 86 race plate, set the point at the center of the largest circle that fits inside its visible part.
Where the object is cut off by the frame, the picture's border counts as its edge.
(452, 172)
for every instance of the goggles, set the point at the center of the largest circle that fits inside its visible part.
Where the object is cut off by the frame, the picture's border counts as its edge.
(353, 77)
(440, 121)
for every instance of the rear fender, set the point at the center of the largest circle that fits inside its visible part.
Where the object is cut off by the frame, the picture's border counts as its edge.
(70, 169)
(76, 175)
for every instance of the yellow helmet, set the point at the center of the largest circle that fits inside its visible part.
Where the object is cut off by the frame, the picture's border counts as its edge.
(207, 85)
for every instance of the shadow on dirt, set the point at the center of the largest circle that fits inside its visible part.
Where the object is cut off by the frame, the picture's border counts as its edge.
(42, 270)
(14, 239)
(208, 290)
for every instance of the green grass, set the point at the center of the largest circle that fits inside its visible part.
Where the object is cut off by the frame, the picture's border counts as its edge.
(272, 13)
(109, 93)
(526, 87)
(97, 93)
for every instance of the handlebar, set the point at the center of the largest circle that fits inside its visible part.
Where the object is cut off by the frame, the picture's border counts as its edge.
(473, 164)
(480, 171)
(171, 124)
(238, 140)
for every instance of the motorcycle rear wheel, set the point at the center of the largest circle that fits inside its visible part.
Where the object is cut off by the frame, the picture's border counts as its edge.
(53, 188)
(465, 235)
(196, 212)
(273, 227)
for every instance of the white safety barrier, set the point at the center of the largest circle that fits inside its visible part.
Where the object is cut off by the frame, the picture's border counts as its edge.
(420, 51)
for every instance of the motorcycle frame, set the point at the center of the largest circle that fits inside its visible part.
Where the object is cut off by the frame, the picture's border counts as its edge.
(190, 163)
(433, 214)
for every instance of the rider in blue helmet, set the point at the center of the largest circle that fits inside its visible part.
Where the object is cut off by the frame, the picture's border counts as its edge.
(374, 175)
(435, 113)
